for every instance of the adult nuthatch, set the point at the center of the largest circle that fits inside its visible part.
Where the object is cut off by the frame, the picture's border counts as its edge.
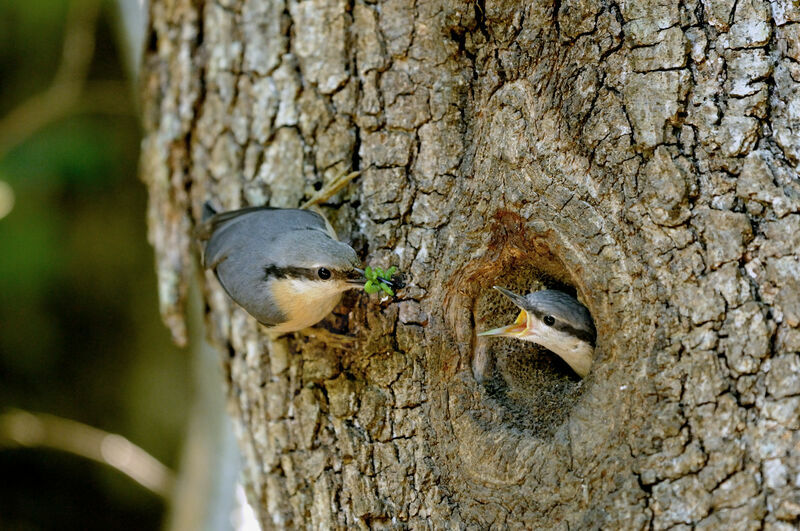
(555, 321)
(285, 267)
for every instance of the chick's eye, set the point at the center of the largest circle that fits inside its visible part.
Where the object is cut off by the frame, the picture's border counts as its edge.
(549, 320)
(323, 273)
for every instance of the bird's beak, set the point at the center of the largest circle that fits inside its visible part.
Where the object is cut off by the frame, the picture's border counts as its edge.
(518, 300)
(519, 327)
(516, 329)
(356, 277)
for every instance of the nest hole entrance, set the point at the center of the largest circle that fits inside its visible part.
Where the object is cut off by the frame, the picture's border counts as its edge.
(533, 388)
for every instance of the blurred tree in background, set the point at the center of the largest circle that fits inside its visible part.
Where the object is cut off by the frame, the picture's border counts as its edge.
(80, 335)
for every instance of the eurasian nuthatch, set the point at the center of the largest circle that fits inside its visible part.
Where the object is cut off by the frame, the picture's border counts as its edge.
(556, 321)
(285, 267)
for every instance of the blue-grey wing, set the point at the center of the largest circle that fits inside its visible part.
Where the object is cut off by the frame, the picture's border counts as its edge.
(247, 286)
(228, 232)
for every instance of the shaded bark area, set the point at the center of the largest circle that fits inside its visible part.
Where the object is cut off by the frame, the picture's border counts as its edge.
(641, 155)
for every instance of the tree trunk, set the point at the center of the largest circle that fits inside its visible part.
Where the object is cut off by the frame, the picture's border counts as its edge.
(642, 155)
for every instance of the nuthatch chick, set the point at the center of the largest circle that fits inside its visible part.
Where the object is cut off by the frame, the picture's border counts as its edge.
(555, 321)
(285, 267)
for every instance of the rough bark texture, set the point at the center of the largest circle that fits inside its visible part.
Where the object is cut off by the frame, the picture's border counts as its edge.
(642, 154)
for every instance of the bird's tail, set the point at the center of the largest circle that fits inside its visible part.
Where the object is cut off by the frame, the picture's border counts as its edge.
(204, 229)
(208, 210)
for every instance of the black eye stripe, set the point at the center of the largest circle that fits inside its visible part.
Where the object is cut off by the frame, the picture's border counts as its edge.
(274, 272)
(583, 335)
(590, 336)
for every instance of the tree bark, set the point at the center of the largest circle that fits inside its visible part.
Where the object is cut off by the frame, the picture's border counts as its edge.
(641, 155)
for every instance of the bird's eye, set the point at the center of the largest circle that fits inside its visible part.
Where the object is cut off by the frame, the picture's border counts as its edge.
(549, 320)
(323, 273)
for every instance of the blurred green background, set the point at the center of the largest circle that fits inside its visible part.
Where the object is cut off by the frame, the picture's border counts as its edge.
(80, 335)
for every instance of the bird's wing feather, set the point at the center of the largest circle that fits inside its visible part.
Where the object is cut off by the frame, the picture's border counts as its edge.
(249, 293)
(258, 221)
(213, 219)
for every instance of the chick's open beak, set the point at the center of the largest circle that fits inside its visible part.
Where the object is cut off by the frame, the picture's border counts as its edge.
(516, 329)
(356, 277)
(519, 327)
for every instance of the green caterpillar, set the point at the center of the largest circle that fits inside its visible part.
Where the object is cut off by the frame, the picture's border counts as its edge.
(377, 280)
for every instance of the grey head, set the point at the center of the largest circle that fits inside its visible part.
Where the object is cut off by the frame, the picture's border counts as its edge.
(568, 315)
(254, 250)
(556, 321)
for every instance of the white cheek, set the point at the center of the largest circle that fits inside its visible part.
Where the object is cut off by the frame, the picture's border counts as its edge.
(543, 335)
(575, 352)
(309, 290)
(313, 298)
(552, 339)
